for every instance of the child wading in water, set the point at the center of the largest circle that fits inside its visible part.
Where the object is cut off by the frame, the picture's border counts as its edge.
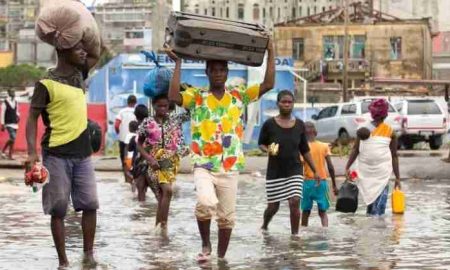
(317, 190)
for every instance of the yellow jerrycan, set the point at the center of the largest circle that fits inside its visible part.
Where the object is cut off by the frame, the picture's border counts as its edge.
(398, 201)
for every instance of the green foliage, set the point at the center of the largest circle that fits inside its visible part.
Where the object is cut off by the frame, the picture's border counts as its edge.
(20, 75)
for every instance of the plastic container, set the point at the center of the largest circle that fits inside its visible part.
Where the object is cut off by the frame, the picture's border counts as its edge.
(398, 201)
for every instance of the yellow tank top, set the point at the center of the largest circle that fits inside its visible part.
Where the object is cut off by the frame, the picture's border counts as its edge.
(67, 112)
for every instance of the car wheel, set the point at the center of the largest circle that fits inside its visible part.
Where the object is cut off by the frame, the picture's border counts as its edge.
(343, 137)
(435, 142)
(406, 143)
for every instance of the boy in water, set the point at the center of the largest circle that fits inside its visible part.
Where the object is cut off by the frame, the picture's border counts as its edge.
(130, 150)
(313, 190)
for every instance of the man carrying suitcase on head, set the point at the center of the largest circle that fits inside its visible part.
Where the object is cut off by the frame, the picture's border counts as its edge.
(217, 132)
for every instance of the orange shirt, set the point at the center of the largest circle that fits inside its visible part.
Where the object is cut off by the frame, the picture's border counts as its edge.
(319, 151)
(383, 130)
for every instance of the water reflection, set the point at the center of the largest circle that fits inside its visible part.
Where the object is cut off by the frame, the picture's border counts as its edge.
(127, 239)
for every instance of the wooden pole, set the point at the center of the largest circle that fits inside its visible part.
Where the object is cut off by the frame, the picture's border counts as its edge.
(346, 54)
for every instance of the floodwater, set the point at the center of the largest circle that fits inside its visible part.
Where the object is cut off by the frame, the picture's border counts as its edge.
(126, 238)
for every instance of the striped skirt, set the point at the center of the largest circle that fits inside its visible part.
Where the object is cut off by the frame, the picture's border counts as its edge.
(281, 189)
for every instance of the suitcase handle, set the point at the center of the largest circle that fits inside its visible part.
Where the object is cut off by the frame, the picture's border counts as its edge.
(254, 26)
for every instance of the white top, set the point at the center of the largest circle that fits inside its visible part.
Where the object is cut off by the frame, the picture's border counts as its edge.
(13, 104)
(126, 115)
(128, 140)
(129, 136)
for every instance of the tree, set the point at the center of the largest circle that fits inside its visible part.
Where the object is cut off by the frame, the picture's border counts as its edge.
(20, 75)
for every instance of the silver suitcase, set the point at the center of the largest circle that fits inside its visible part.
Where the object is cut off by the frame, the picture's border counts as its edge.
(200, 37)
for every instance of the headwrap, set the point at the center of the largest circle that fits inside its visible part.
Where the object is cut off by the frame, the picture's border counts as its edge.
(379, 109)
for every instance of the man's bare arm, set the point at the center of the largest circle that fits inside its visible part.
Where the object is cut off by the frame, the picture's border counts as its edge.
(31, 136)
(174, 89)
(269, 77)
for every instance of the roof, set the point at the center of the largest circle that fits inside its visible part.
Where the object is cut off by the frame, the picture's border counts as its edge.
(358, 13)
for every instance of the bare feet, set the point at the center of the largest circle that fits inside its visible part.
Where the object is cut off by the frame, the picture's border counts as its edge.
(89, 260)
(63, 265)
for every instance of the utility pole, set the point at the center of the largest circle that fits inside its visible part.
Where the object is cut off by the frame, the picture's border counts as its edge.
(380, 9)
(346, 52)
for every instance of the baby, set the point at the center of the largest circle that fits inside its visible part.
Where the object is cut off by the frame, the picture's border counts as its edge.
(363, 133)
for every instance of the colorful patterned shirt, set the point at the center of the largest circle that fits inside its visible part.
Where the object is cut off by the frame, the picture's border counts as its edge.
(173, 137)
(217, 128)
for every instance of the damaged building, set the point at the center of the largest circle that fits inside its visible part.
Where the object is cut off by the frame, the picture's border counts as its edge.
(380, 46)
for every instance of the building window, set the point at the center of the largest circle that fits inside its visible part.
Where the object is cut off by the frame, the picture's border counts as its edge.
(308, 12)
(333, 47)
(221, 12)
(256, 12)
(396, 48)
(197, 10)
(213, 12)
(241, 11)
(228, 12)
(298, 49)
(358, 47)
(264, 13)
(323, 9)
(206, 11)
(271, 12)
(300, 11)
(279, 13)
(315, 10)
(294, 11)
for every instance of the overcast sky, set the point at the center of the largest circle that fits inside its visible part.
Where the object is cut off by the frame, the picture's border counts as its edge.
(176, 3)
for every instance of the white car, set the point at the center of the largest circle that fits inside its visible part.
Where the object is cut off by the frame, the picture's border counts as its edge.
(341, 121)
(423, 120)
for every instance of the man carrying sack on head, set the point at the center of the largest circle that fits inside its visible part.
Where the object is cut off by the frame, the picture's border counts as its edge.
(60, 99)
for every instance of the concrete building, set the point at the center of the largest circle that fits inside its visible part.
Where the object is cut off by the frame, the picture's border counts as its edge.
(416, 9)
(4, 44)
(267, 12)
(124, 24)
(31, 50)
(380, 46)
(21, 14)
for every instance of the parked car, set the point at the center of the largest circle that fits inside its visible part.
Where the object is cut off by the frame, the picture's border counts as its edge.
(423, 120)
(341, 121)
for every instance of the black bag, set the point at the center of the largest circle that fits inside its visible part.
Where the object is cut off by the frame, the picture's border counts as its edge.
(347, 200)
(95, 135)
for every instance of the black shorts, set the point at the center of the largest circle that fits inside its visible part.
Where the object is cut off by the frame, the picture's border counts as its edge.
(122, 151)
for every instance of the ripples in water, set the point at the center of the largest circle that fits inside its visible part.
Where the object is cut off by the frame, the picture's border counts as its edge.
(126, 238)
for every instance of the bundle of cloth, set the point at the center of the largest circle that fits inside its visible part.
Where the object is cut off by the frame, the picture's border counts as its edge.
(65, 23)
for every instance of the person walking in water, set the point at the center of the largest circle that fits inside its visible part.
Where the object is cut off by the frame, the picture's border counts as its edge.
(66, 149)
(161, 144)
(376, 158)
(9, 120)
(121, 125)
(283, 137)
(217, 154)
(321, 155)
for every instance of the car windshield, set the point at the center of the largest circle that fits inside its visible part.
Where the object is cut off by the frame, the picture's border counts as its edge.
(416, 107)
(365, 107)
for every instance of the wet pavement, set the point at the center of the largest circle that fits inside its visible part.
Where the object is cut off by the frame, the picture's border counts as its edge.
(126, 238)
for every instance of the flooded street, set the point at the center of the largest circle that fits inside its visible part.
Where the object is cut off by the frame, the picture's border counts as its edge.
(126, 238)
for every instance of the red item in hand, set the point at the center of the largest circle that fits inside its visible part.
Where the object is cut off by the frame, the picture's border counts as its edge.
(37, 174)
(353, 175)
